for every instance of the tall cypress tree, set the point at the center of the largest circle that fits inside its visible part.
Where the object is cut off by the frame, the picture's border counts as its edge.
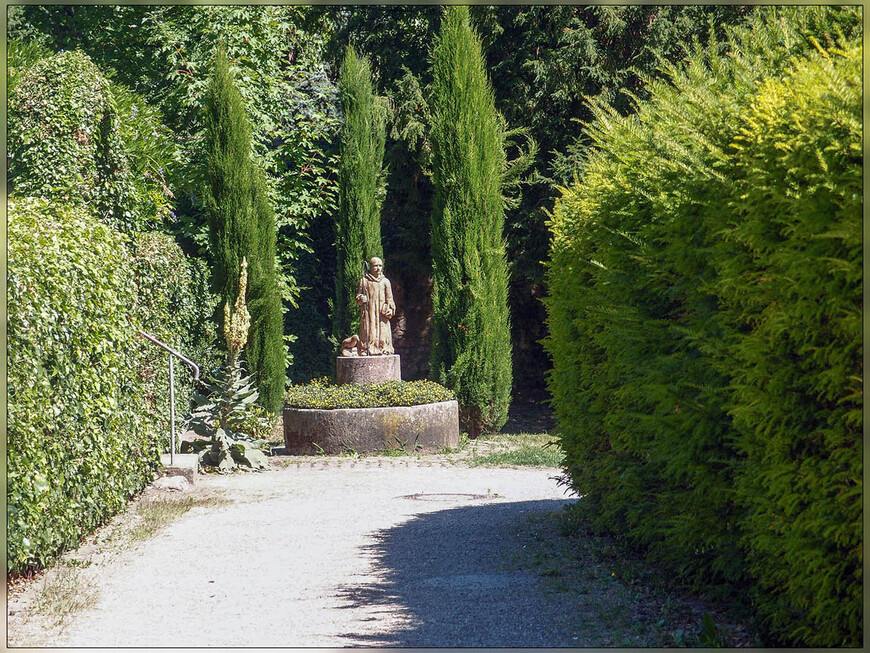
(242, 224)
(361, 187)
(471, 346)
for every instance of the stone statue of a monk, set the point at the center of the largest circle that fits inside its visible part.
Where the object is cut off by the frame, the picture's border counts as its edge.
(375, 298)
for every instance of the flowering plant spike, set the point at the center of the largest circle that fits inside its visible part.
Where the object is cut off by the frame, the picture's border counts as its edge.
(237, 321)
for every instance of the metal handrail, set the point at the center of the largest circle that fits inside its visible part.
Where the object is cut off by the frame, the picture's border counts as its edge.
(183, 359)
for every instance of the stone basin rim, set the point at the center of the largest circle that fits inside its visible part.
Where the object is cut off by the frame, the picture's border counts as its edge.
(429, 427)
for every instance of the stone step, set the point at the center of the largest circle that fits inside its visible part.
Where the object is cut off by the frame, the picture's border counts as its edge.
(185, 464)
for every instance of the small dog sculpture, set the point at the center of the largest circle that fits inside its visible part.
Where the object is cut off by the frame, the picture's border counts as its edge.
(351, 346)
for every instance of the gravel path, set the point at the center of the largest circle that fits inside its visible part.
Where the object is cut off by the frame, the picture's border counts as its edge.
(332, 552)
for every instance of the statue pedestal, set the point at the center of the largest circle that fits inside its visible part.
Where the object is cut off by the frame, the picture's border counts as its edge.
(367, 369)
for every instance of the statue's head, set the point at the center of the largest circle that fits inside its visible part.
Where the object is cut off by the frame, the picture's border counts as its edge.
(376, 265)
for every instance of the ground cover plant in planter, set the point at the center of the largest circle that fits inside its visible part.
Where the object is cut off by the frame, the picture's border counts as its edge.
(323, 395)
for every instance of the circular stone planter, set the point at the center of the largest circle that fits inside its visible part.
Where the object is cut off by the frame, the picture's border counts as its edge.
(425, 428)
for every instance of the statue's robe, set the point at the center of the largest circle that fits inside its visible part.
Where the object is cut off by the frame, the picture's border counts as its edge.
(374, 331)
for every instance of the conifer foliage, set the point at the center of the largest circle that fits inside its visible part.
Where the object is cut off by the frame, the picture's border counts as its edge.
(471, 351)
(361, 187)
(705, 323)
(790, 280)
(242, 225)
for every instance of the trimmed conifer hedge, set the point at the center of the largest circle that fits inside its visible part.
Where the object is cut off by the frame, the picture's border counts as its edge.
(789, 281)
(705, 323)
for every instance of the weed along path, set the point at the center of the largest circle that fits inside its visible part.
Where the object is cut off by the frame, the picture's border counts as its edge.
(334, 552)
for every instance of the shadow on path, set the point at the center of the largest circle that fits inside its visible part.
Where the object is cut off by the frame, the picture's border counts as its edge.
(445, 580)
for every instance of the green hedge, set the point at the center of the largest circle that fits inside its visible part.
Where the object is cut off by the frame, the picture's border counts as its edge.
(320, 394)
(705, 323)
(88, 409)
(76, 137)
(88, 397)
(790, 282)
(79, 442)
(174, 303)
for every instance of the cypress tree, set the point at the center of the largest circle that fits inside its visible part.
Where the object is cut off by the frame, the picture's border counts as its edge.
(471, 350)
(242, 224)
(361, 187)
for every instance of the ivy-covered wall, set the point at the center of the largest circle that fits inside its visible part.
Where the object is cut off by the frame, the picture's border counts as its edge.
(88, 398)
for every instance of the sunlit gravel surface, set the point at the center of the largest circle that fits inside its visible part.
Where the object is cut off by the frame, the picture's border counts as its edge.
(332, 552)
